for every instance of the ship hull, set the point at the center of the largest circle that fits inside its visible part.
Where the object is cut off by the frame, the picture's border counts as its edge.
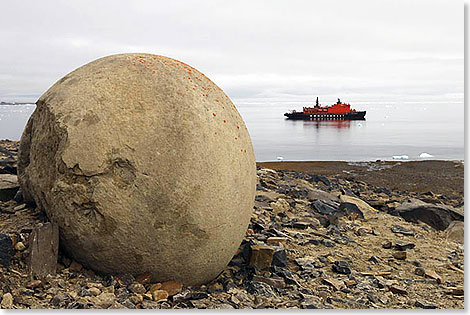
(347, 116)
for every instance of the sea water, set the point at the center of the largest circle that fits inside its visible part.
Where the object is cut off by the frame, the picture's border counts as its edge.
(400, 131)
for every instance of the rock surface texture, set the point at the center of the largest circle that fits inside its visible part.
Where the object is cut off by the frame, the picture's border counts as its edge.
(145, 165)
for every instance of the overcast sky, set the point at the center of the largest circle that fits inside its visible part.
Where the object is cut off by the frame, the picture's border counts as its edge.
(256, 51)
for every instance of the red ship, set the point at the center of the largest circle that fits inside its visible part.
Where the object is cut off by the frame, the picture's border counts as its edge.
(338, 111)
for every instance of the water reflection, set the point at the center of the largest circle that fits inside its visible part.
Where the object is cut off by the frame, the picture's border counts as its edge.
(336, 124)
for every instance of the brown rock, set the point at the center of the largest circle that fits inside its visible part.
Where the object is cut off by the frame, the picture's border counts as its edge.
(154, 287)
(335, 283)
(398, 290)
(43, 250)
(144, 278)
(159, 295)
(34, 284)
(7, 301)
(261, 256)
(75, 266)
(273, 282)
(433, 275)
(126, 154)
(172, 287)
(399, 255)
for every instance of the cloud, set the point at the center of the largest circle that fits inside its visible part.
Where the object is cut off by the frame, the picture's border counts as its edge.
(252, 49)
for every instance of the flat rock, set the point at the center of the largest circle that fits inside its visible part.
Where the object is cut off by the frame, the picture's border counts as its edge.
(437, 216)
(361, 204)
(8, 186)
(43, 250)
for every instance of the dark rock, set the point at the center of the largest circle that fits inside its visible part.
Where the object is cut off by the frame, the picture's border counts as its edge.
(124, 280)
(350, 209)
(261, 256)
(437, 216)
(260, 288)
(398, 229)
(320, 178)
(18, 196)
(322, 207)
(327, 243)
(280, 258)
(387, 245)
(403, 246)
(6, 250)
(44, 249)
(136, 288)
(374, 259)
(341, 266)
(399, 255)
(425, 305)
(398, 290)
(8, 186)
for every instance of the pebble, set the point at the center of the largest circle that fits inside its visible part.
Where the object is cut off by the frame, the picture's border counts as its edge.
(20, 246)
(136, 288)
(341, 266)
(399, 255)
(387, 245)
(7, 301)
(160, 295)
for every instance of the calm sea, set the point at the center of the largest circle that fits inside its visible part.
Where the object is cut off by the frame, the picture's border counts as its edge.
(400, 130)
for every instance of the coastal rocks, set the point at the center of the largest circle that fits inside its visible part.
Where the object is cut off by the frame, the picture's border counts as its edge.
(437, 216)
(127, 153)
(8, 186)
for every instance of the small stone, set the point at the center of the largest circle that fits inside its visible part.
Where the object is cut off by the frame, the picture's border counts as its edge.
(433, 275)
(425, 305)
(403, 246)
(124, 280)
(147, 296)
(398, 290)
(374, 259)
(273, 282)
(136, 288)
(6, 246)
(104, 300)
(387, 245)
(160, 295)
(276, 240)
(399, 255)
(341, 266)
(20, 246)
(458, 291)
(335, 283)
(420, 271)
(144, 278)
(34, 284)
(261, 256)
(350, 283)
(154, 287)
(172, 287)
(280, 258)
(398, 229)
(20, 207)
(94, 291)
(7, 301)
(75, 266)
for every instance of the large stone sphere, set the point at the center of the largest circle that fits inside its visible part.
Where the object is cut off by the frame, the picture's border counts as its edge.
(145, 165)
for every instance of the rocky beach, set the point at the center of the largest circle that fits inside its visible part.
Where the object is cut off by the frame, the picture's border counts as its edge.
(322, 235)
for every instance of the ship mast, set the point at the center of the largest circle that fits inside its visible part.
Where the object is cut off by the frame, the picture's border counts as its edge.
(317, 102)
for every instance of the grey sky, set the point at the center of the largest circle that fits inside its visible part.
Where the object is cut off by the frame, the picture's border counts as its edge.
(257, 51)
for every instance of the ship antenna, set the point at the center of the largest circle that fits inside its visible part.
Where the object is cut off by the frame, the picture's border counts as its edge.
(317, 100)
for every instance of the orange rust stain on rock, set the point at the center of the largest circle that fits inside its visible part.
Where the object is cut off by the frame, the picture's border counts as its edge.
(223, 107)
(238, 127)
(244, 151)
(225, 121)
(213, 114)
(236, 138)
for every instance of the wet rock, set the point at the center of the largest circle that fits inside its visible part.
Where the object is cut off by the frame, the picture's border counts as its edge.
(8, 186)
(43, 250)
(437, 216)
(261, 256)
(425, 305)
(6, 250)
(341, 266)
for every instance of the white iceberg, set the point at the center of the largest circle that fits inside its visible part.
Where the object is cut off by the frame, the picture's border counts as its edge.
(425, 155)
(400, 157)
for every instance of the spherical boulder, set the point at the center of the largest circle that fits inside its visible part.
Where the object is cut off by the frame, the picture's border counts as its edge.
(145, 165)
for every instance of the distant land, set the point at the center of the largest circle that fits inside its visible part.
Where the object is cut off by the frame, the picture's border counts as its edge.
(16, 103)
